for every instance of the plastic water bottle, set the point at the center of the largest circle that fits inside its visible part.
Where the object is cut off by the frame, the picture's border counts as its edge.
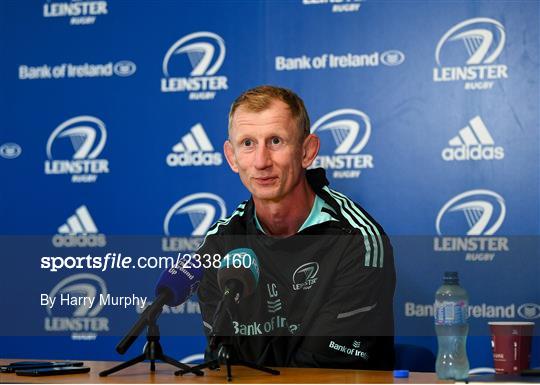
(451, 313)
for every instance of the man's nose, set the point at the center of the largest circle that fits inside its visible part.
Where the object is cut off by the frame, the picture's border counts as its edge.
(262, 158)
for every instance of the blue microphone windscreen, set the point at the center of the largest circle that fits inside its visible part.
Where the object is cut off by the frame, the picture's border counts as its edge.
(181, 280)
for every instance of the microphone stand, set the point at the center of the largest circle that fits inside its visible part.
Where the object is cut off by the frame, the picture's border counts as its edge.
(152, 348)
(222, 341)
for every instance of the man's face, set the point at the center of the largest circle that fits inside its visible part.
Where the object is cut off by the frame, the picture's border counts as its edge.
(267, 150)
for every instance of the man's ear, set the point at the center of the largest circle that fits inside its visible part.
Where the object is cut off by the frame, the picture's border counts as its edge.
(310, 149)
(229, 155)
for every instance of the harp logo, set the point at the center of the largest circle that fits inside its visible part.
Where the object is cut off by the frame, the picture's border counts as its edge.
(477, 208)
(478, 214)
(468, 52)
(82, 139)
(188, 220)
(344, 133)
(200, 56)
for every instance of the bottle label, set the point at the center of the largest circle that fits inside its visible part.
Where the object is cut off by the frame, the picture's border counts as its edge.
(450, 312)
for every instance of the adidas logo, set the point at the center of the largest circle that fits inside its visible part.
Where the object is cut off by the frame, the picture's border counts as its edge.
(79, 231)
(474, 142)
(80, 223)
(194, 149)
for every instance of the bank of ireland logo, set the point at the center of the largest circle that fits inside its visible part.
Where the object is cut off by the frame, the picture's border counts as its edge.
(529, 311)
(344, 134)
(191, 216)
(73, 148)
(392, 58)
(76, 307)
(194, 149)
(305, 276)
(468, 52)
(10, 150)
(473, 142)
(191, 64)
(79, 230)
(124, 68)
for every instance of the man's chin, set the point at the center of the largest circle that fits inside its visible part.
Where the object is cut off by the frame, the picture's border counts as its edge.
(265, 193)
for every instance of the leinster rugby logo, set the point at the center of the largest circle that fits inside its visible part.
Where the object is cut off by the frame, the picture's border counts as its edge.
(79, 12)
(74, 312)
(205, 52)
(305, 276)
(83, 138)
(344, 134)
(476, 43)
(468, 222)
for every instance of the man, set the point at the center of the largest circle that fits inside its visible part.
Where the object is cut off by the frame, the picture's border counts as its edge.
(325, 292)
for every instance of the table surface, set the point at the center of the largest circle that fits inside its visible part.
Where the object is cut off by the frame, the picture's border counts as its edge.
(140, 373)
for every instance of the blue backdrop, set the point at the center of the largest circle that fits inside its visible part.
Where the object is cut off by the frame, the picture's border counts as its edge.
(113, 119)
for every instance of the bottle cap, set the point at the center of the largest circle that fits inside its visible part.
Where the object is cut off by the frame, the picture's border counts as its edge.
(401, 374)
(451, 277)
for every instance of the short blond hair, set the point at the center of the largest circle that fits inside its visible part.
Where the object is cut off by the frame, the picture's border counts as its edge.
(260, 98)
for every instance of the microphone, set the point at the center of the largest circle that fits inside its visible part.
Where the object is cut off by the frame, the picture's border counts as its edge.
(178, 283)
(174, 287)
(238, 277)
(238, 273)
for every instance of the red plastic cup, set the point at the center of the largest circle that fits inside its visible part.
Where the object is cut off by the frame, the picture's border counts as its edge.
(511, 344)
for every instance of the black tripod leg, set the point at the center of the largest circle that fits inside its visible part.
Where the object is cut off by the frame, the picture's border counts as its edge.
(152, 366)
(185, 368)
(133, 361)
(229, 374)
(210, 364)
(214, 364)
(259, 367)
